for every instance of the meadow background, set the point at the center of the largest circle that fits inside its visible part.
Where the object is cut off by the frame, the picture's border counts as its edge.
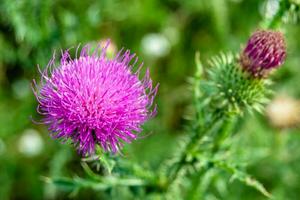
(165, 34)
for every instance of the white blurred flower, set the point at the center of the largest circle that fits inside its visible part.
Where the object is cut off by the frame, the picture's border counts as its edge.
(284, 111)
(270, 8)
(30, 143)
(156, 45)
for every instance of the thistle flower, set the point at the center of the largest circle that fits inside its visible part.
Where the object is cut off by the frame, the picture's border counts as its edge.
(265, 50)
(94, 100)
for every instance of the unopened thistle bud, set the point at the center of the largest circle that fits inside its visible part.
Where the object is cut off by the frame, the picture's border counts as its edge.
(265, 50)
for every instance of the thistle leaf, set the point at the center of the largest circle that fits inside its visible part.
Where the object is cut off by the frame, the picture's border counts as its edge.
(243, 177)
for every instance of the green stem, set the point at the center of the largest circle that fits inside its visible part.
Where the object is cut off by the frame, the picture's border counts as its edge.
(225, 131)
(194, 141)
(202, 126)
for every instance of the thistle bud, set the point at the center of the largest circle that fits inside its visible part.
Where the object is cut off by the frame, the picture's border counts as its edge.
(265, 50)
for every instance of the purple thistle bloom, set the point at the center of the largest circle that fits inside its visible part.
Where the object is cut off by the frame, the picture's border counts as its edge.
(265, 50)
(95, 100)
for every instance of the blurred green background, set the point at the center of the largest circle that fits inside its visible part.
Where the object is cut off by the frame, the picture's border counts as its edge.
(165, 34)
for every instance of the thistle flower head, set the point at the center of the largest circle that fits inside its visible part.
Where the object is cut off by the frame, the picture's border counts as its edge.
(265, 50)
(94, 100)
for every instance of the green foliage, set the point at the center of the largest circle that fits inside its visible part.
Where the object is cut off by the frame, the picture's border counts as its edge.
(293, 13)
(288, 12)
(221, 152)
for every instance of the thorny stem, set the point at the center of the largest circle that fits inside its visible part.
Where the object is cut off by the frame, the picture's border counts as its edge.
(191, 145)
(199, 130)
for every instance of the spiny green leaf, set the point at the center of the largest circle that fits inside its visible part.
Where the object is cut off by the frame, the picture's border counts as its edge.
(66, 184)
(248, 180)
(90, 172)
(243, 177)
